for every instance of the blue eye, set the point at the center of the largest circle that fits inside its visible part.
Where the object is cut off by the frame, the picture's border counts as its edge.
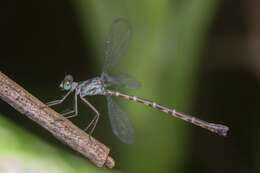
(67, 86)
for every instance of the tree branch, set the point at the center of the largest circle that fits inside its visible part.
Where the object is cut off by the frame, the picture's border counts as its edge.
(54, 122)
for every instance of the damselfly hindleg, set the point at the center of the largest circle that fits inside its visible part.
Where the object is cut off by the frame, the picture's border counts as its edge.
(94, 121)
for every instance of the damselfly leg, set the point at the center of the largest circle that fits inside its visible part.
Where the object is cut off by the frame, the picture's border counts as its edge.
(94, 121)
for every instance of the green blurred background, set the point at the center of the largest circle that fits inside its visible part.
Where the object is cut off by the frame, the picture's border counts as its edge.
(200, 57)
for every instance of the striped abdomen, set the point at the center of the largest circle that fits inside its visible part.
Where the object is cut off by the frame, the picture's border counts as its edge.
(216, 128)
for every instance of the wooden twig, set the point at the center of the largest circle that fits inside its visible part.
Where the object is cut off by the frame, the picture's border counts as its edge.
(54, 122)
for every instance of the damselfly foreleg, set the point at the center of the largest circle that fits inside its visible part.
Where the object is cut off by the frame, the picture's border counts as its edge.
(56, 102)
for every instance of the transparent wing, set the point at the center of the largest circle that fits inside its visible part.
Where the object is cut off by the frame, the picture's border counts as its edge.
(117, 43)
(123, 80)
(120, 123)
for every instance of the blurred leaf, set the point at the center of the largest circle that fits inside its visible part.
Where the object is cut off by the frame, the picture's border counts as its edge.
(21, 152)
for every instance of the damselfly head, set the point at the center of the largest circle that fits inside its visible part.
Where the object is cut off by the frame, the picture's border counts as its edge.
(66, 84)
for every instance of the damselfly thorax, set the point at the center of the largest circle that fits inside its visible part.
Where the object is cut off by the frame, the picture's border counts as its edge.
(91, 87)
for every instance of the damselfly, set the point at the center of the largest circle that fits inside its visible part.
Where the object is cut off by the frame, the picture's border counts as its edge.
(116, 45)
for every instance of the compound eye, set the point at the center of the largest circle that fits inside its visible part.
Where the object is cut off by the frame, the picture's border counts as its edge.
(67, 86)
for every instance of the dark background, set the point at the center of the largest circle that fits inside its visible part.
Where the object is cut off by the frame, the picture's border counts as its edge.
(199, 57)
